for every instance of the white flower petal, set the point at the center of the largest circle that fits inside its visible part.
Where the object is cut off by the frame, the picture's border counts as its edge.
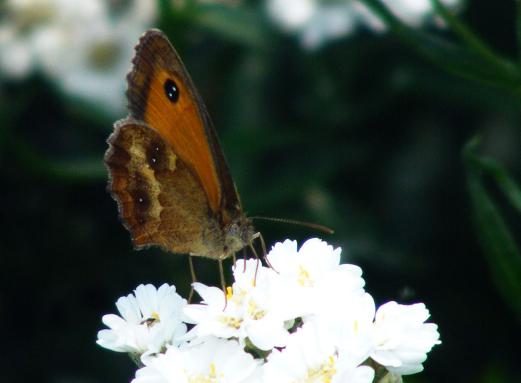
(402, 338)
(213, 360)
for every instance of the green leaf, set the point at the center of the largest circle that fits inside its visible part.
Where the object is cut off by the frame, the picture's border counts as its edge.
(465, 62)
(508, 185)
(499, 246)
(467, 35)
(473, 60)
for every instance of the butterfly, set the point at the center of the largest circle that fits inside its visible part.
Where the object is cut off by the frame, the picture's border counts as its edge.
(167, 171)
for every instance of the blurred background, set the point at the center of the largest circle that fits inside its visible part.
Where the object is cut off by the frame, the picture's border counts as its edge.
(396, 122)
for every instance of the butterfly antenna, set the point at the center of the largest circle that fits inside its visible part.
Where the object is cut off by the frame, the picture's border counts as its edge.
(314, 226)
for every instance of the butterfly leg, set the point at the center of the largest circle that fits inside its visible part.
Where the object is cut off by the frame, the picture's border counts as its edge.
(223, 283)
(244, 254)
(257, 265)
(264, 251)
(194, 278)
(263, 245)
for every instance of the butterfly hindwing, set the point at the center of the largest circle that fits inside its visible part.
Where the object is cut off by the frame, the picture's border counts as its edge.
(160, 201)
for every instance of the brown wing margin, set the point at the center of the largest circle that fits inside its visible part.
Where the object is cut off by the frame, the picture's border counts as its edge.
(143, 64)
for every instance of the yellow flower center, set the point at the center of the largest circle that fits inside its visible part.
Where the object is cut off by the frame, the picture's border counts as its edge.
(212, 377)
(231, 321)
(322, 374)
(304, 279)
(254, 311)
(104, 54)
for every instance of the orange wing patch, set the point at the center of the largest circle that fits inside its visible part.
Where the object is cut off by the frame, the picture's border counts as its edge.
(180, 124)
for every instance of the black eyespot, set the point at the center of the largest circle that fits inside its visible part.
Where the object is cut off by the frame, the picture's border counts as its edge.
(155, 156)
(171, 90)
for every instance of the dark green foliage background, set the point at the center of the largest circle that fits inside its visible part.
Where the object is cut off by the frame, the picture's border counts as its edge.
(364, 135)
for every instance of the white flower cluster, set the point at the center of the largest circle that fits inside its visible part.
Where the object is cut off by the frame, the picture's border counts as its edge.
(84, 46)
(318, 21)
(307, 318)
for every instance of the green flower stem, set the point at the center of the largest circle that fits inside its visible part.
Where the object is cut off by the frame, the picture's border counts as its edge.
(510, 188)
(472, 40)
(464, 32)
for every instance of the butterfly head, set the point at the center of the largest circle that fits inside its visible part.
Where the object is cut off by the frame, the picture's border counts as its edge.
(238, 234)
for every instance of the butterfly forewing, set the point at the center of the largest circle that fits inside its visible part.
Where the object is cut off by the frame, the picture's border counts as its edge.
(183, 122)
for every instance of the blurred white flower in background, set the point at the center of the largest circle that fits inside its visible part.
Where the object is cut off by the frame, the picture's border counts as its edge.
(84, 46)
(150, 319)
(314, 21)
(319, 21)
(417, 12)
(307, 318)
